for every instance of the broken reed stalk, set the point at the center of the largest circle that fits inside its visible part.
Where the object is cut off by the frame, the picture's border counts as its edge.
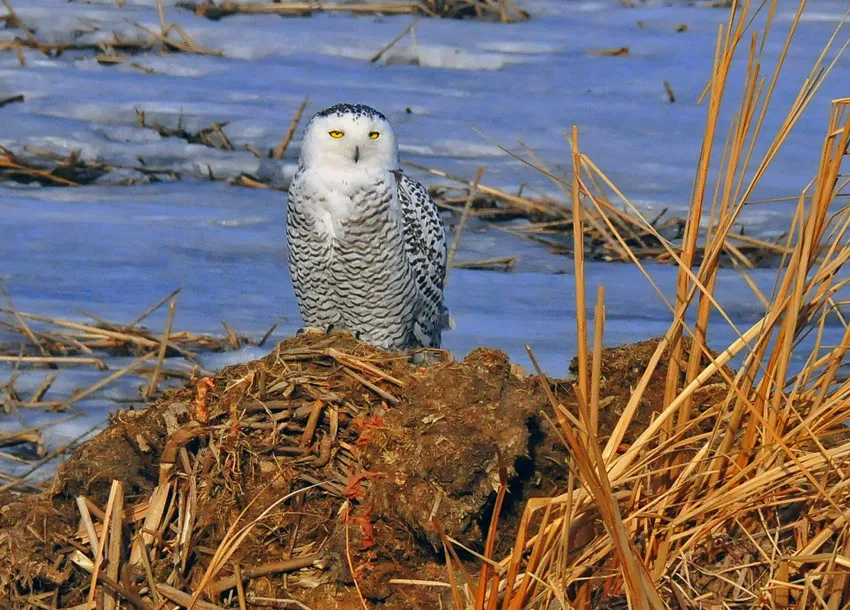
(578, 259)
(293, 125)
(464, 216)
(54, 360)
(377, 56)
(162, 349)
(24, 326)
(138, 320)
(596, 367)
(69, 342)
(500, 10)
(551, 222)
(12, 16)
(730, 468)
(297, 8)
(62, 339)
(240, 586)
(164, 35)
(101, 543)
(18, 480)
(78, 396)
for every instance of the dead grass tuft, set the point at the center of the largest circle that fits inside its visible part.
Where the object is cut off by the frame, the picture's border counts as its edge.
(502, 11)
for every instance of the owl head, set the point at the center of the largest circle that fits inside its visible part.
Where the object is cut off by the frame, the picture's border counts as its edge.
(349, 137)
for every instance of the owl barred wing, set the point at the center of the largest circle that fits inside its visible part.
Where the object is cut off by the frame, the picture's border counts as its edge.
(308, 253)
(422, 218)
(425, 245)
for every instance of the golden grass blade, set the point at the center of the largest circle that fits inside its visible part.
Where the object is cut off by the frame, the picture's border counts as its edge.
(596, 365)
(101, 546)
(578, 259)
(768, 445)
(113, 555)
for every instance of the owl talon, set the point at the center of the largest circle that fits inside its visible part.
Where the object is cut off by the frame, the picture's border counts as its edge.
(309, 330)
(334, 329)
(425, 358)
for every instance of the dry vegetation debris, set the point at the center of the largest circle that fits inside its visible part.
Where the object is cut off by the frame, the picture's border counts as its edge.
(312, 424)
(502, 11)
(549, 221)
(324, 455)
(33, 341)
(172, 37)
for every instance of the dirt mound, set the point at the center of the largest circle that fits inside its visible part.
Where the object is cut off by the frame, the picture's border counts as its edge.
(322, 472)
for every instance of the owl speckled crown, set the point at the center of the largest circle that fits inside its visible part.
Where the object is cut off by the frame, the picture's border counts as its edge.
(357, 110)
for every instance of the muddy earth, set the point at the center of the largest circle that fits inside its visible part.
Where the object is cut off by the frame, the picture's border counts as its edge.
(327, 471)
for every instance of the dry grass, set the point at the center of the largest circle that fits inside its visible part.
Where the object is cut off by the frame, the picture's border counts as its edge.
(171, 37)
(502, 11)
(33, 164)
(68, 344)
(55, 342)
(753, 513)
(551, 223)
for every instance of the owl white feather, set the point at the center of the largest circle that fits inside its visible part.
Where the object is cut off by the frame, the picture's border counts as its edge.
(367, 247)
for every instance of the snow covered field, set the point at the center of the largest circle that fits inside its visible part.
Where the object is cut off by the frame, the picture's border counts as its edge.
(113, 250)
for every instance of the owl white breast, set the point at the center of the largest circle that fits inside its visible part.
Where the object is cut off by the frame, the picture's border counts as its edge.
(367, 247)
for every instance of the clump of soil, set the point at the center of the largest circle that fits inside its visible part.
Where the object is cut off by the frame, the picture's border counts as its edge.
(339, 463)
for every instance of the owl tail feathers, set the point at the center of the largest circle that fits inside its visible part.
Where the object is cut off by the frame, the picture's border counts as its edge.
(448, 322)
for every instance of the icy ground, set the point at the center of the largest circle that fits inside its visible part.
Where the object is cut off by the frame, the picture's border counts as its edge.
(114, 250)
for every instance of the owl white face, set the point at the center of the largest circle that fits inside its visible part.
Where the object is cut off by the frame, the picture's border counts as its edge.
(349, 137)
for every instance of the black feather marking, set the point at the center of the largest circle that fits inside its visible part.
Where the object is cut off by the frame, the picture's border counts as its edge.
(358, 110)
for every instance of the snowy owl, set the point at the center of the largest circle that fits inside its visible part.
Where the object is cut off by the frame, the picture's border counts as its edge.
(367, 247)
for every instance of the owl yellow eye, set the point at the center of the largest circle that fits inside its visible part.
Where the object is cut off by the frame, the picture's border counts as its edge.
(336, 134)
(374, 135)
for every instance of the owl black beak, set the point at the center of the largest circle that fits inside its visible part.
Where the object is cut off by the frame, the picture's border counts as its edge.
(356, 154)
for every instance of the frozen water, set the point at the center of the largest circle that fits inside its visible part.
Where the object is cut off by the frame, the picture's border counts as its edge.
(113, 250)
